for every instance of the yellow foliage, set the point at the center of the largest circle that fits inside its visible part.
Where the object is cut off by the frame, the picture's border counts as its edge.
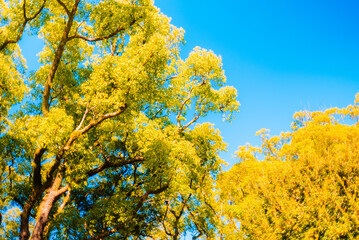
(104, 143)
(306, 188)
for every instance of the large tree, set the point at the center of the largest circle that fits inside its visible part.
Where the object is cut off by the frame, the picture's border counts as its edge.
(300, 185)
(100, 142)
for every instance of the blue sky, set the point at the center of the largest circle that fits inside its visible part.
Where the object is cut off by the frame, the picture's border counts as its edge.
(283, 56)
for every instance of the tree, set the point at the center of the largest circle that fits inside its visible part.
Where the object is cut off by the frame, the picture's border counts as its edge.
(100, 142)
(305, 188)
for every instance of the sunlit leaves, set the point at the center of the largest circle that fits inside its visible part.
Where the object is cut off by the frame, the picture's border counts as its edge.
(305, 188)
(12, 88)
(109, 123)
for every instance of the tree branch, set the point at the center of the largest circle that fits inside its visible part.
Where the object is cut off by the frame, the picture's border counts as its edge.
(83, 118)
(58, 212)
(163, 220)
(22, 28)
(63, 204)
(108, 164)
(26, 212)
(182, 106)
(24, 9)
(37, 167)
(55, 64)
(64, 6)
(38, 12)
(17, 200)
(62, 190)
(45, 207)
(8, 41)
(102, 118)
(200, 231)
(37, 190)
(95, 39)
(76, 134)
(192, 121)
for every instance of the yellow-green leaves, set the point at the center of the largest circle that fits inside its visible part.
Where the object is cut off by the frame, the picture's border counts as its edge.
(204, 66)
(105, 145)
(49, 132)
(12, 88)
(196, 86)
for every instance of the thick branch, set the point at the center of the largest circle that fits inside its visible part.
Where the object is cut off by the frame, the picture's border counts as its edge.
(108, 164)
(61, 191)
(25, 214)
(8, 41)
(55, 64)
(36, 192)
(64, 202)
(97, 38)
(18, 201)
(46, 206)
(59, 210)
(37, 13)
(37, 167)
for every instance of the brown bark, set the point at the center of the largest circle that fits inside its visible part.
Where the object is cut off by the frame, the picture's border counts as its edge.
(25, 214)
(49, 186)
(46, 206)
(37, 167)
(49, 199)
(38, 188)
(36, 192)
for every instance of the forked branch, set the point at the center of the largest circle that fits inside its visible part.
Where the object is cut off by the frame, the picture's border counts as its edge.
(23, 25)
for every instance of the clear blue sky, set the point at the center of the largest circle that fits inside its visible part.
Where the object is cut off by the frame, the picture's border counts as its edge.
(282, 56)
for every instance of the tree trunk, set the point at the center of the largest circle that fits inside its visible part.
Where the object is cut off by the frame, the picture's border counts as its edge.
(45, 208)
(24, 222)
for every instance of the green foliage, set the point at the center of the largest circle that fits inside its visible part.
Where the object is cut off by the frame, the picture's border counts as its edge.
(305, 188)
(101, 144)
